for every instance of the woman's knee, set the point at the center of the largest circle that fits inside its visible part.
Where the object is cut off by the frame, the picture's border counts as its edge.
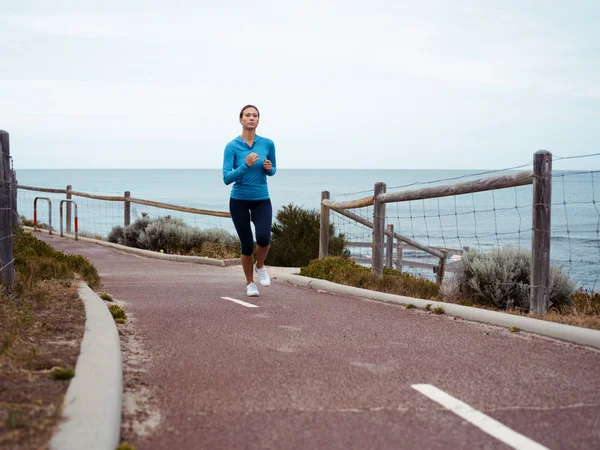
(247, 248)
(263, 239)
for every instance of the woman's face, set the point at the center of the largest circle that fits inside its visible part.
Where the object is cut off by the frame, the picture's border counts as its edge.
(249, 118)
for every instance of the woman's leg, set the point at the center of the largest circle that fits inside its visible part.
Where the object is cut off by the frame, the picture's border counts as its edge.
(262, 216)
(240, 214)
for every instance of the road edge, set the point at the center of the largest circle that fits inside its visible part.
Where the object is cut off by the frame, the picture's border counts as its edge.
(91, 416)
(568, 333)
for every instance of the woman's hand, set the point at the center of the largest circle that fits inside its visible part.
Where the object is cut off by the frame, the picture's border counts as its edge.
(251, 159)
(268, 165)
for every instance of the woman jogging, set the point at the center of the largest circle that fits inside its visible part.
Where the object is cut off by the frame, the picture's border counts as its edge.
(247, 162)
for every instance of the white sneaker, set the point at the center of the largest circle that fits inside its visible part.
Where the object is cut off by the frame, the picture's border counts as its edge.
(263, 276)
(252, 290)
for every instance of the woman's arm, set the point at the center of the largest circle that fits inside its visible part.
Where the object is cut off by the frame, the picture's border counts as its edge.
(271, 157)
(230, 175)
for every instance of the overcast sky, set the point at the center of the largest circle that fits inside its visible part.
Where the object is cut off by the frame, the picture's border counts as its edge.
(430, 84)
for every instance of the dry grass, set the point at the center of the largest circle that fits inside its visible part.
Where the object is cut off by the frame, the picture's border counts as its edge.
(219, 250)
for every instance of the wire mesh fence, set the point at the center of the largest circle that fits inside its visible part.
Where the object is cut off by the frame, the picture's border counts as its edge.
(575, 236)
(487, 221)
(98, 217)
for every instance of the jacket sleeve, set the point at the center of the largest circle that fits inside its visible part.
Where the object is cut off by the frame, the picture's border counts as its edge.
(273, 160)
(229, 174)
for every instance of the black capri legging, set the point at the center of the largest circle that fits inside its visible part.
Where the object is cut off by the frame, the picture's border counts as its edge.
(260, 212)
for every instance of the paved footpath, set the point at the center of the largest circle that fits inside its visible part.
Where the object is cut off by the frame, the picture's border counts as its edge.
(313, 370)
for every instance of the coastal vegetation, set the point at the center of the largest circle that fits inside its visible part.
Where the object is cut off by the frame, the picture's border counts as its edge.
(501, 278)
(295, 238)
(172, 235)
(497, 280)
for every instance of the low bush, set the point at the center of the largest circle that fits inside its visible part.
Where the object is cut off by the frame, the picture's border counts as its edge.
(174, 236)
(501, 279)
(295, 238)
(116, 236)
(345, 271)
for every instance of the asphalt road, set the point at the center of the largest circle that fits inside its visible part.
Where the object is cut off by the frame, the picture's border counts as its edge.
(306, 369)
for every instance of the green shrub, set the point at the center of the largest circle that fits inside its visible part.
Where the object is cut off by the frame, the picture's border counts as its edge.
(117, 312)
(345, 271)
(501, 279)
(330, 268)
(295, 238)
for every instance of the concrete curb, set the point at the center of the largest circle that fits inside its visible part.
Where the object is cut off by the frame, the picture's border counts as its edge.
(568, 333)
(149, 253)
(92, 406)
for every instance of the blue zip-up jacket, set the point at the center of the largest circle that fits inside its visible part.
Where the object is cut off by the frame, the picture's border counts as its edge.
(250, 182)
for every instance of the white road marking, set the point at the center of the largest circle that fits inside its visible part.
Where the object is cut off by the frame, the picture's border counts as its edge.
(477, 418)
(247, 305)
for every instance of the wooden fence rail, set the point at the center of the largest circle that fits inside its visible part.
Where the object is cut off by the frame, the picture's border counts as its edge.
(126, 199)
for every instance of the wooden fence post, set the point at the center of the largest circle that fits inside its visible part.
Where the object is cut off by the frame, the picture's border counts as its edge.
(15, 209)
(389, 251)
(126, 209)
(399, 256)
(69, 197)
(324, 230)
(7, 267)
(540, 242)
(378, 230)
(441, 270)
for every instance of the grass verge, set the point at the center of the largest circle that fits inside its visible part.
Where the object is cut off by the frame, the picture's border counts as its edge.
(41, 326)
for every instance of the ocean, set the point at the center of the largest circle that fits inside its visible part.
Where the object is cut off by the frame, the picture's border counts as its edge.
(482, 221)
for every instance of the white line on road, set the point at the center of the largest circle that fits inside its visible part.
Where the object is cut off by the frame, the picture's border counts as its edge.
(247, 305)
(477, 418)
